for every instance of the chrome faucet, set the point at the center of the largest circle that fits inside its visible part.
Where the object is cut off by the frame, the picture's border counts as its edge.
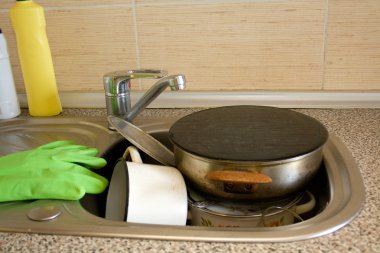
(117, 90)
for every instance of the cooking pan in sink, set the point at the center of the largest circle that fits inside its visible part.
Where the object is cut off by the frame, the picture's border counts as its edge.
(248, 152)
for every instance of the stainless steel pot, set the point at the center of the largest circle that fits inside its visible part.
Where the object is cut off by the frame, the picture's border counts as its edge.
(248, 152)
(210, 213)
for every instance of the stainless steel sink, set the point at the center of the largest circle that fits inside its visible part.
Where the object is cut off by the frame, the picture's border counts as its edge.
(338, 188)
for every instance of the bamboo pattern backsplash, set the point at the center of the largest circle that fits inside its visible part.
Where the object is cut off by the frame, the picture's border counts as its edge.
(293, 45)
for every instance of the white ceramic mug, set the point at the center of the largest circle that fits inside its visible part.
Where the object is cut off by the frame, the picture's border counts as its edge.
(146, 193)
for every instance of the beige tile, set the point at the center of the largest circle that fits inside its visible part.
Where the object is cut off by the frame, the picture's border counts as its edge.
(6, 4)
(242, 46)
(87, 43)
(353, 48)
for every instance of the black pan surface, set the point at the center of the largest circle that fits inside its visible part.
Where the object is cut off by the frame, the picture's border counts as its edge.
(248, 133)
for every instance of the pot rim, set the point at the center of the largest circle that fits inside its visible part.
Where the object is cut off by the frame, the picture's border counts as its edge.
(247, 163)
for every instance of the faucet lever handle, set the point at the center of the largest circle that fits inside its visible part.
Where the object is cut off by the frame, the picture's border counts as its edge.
(138, 73)
(116, 87)
(117, 82)
(146, 73)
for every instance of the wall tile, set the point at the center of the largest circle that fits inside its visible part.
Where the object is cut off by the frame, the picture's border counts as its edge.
(245, 46)
(217, 44)
(6, 4)
(90, 43)
(87, 43)
(353, 45)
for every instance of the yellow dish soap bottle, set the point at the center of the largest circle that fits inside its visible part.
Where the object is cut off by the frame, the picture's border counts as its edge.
(28, 20)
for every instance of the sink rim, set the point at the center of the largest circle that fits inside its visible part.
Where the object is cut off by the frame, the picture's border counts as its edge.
(75, 220)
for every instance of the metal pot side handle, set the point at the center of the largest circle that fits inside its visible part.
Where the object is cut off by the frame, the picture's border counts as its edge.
(304, 208)
(295, 211)
(238, 176)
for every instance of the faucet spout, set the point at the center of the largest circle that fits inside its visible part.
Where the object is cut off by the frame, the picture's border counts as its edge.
(175, 82)
(117, 91)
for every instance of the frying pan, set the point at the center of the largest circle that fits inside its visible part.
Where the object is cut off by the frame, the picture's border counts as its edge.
(248, 152)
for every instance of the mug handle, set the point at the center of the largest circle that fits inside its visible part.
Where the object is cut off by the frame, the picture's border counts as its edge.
(133, 153)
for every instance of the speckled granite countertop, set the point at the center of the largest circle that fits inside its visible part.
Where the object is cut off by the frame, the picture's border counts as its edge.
(358, 128)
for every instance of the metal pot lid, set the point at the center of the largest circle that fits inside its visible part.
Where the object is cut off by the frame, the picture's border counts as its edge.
(248, 133)
(240, 208)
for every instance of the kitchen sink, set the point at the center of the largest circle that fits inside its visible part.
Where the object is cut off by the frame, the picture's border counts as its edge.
(338, 189)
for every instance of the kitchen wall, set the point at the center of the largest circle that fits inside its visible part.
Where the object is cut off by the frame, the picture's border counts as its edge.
(294, 45)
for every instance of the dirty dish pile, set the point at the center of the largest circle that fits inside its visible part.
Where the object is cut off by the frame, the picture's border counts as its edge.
(255, 159)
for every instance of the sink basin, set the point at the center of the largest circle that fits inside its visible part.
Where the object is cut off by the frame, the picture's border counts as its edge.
(338, 189)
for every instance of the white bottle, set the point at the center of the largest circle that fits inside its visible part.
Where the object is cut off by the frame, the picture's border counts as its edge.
(9, 106)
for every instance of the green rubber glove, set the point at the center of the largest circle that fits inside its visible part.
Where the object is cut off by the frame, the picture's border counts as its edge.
(57, 170)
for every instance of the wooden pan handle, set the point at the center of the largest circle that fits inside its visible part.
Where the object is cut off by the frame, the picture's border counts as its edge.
(238, 176)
